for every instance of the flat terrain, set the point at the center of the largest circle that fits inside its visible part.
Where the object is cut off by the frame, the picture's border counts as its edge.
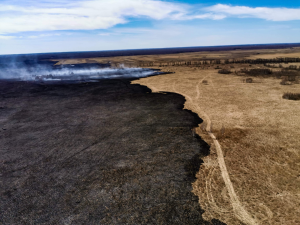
(248, 175)
(97, 153)
(252, 174)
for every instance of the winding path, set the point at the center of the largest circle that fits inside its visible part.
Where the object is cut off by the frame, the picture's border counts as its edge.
(239, 210)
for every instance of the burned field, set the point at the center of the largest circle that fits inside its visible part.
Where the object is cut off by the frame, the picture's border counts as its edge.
(97, 153)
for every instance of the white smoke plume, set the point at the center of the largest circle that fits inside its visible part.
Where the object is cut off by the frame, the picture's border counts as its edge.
(48, 73)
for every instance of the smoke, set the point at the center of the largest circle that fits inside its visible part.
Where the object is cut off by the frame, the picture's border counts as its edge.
(48, 73)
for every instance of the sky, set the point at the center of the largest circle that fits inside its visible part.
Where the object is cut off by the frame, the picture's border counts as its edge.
(38, 26)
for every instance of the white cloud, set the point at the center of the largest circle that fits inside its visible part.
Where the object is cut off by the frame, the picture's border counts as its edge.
(105, 34)
(4, 37)
(274, 14)
(43, 35)
(46, 15)
(84, 15)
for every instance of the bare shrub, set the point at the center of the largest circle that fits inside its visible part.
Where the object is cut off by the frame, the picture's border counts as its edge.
(291, 96)
(249, 80)
(288, 76)
(224, 71)
(292, 67)
(257, 72)
(205, 82)
(285, 81)
(291, 75)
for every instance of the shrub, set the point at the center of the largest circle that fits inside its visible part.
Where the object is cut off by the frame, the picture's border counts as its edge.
(287, 76)
(285, 81)
(249, 80)
(289, 73)
(224, 71)
(291, 96)
(205, 82)
(292, 67)
(257, 72)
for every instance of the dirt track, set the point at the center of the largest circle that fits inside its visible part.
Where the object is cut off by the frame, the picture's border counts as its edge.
(239, 210)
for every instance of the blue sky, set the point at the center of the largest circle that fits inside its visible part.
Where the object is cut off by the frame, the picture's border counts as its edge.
(33, 26)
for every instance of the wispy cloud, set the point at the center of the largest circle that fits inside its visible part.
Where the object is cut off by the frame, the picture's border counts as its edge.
(5, 37)
(43, 35)
(274, 14)
(46, 15)
(89, 15)
(84, 15)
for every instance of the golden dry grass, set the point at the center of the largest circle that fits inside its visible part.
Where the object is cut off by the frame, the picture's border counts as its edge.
(259, 139)
(261, 143)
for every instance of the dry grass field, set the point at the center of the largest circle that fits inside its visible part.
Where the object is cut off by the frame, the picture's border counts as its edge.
(260, 143)
(252, 175)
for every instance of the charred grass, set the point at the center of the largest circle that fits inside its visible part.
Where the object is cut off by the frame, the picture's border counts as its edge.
(97, 153)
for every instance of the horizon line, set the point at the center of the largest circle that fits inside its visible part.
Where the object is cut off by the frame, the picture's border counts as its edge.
(156, 49)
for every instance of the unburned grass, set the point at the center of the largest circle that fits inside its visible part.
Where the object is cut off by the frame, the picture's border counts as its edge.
(259, 141)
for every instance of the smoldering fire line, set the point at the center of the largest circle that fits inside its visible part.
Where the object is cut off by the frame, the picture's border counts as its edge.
(49, 73)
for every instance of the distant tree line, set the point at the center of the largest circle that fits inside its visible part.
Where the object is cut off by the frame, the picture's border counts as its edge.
(219, 61)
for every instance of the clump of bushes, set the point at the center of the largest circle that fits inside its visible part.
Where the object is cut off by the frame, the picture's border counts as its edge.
(291, 76)
(285, 81)
(257, 72)
(288, 76)
(291, 96)
(292, 67)
(224, 71)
